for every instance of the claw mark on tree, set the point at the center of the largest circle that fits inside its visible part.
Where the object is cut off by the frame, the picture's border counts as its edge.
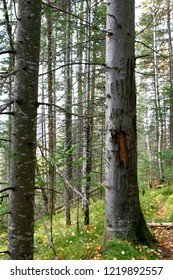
(112, 88)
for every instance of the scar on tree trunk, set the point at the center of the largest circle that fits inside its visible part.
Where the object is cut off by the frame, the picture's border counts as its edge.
(120, 139)
(123, 151)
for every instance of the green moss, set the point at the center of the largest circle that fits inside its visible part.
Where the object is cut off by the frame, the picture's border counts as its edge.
(86, 244)
(125, 250)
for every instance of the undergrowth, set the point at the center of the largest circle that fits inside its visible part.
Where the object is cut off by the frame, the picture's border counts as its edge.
(84, 243)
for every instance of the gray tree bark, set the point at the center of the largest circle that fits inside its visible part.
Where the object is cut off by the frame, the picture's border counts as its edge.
(22, 175)
(159, 117)
(124, 218)
(68, 116)
(170, 49)
(79, 137)
(51, 130)
(11, 67)
(87, 163)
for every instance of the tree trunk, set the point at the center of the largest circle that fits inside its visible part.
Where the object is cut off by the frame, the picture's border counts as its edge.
(148, 146)
(80, 39)
(124, 218)
(86, 123)
(170, 48)
(159, 118)
(44, 172)
(51, 132)
(22, 175)
(11, 68)
(68, 116)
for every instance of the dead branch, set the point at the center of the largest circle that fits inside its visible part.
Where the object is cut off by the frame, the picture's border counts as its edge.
(83, 21)
(4, 252)
(164, 224)
(5, 140)
(74, 63)
(150, 48)
(3, 238)
(67, 183)
(7, 51)
(60, 108)
(5, 106)
(48, 189)
(146, 27)
(60, 174)
(3, 196)
(6, 189)
(50, 239)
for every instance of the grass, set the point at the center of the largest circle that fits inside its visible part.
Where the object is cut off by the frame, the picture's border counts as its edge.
(69, 242)
(157, 204)
(85, 244)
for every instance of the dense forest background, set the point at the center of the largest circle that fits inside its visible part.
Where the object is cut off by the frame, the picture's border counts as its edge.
(70, 163)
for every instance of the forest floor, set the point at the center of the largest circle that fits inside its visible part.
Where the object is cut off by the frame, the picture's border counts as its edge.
(86, 243)
(160, 209)
(164, 237)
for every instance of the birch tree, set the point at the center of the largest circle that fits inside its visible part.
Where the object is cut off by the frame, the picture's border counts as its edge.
(124, 218)
(23, 140)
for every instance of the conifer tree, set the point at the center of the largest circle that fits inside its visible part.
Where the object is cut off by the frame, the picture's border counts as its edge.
(23, 139)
